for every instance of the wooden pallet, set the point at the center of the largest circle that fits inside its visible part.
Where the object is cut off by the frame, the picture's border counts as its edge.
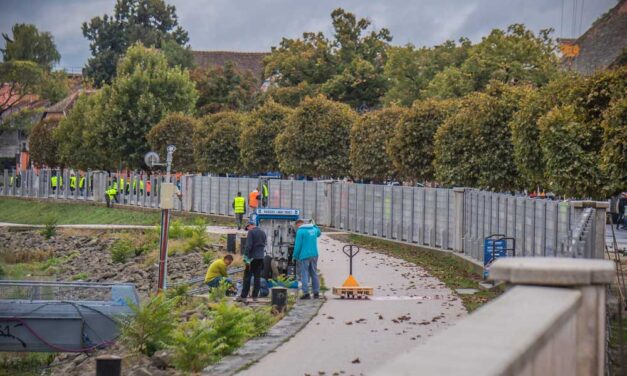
(356, 292)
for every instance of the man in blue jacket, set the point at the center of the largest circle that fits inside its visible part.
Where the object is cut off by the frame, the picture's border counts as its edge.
(306, 252)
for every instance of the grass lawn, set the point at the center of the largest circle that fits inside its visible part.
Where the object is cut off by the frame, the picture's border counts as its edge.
(449, 269)
(33, 212)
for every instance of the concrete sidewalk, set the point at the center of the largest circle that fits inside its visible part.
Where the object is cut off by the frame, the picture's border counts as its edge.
(353, 337)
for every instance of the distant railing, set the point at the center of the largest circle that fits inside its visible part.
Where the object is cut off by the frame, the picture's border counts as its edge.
(456, 219)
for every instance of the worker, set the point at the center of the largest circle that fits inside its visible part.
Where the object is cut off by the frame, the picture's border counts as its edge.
(253, 199)
(141, 186)
(306, 253)
(217, 272)
(56, 181)
(253, 257)
(72, 182)
(81, 184)
(111, 194)
(239, 208)
(264, 194)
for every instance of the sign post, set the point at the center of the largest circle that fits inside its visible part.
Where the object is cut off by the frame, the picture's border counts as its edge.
(166, 203)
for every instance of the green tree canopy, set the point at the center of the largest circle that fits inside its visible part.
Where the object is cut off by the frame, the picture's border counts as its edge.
(18, 78)
(370, 139)
(614, 151)
(348, 68)
(223, 89)
(316, 139)
(82, 137)
(473, 147)
(43, 145)
(571, 169)
(175, 129)
(256, 143)
(27, 43)
(410, 70)
(150, 22)
(411, 146)
(144, 91)
(216, 143)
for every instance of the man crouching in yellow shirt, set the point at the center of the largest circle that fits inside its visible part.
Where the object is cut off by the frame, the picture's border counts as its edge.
(217, 272)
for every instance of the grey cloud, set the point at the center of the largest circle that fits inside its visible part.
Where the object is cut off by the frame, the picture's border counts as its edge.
(257, 25)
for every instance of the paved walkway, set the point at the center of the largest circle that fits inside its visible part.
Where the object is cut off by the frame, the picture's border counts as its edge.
(353, 337)
(621, 237)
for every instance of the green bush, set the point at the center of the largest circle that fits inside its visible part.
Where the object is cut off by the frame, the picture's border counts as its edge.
(193, 346)
(151, 326)
(218, 294)
(370, 138)
(411, 145)
(262, 319)
(50, 227)
(121, 251)
(230, 327)
(316, 139)
(207, 258)
(80, 276)
(198, 241)
(216, 143)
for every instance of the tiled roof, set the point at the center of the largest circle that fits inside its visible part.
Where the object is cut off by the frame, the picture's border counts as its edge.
(602, 43)
(251, 61)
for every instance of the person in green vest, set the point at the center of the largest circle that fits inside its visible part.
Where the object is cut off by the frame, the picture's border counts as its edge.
(56, 182)
(264, 195)
(81, 184)
(141, 186)
(239, 208)
(111, 194)
(72, 182)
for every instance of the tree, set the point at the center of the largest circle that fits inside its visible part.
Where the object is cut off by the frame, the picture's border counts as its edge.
(144, 91)
(571, 170)
(452, 82)
(411, 146)
(348, 68)
(82, 137)
(17, 80)
(151, 22)
(370, 139)
(175, 129)
(177, 55)
(216, 143)
(256, 143)
(27, 43)
(316, 139)
(289, 96)
(514, 55)
(410, 70)
(473, 147)
(223, 89)
(614, 151)
(43, 146)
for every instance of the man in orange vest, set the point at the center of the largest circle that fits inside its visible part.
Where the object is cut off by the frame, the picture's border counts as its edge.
(253, 200)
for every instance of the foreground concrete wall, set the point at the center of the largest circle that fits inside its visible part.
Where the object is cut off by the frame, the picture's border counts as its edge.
(552, 322)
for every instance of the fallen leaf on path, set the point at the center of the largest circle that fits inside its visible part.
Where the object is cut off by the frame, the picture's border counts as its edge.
(356, 360)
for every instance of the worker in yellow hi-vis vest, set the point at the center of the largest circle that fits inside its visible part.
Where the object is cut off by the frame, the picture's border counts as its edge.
(239, 208)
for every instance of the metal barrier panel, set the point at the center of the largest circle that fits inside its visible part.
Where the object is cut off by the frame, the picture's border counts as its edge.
(387, 212)
(407, 210)
(550, 241)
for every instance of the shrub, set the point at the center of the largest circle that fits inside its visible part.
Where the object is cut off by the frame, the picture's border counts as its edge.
(207, 258)
(151, 327)
(614, 152)
(122, 249)
(218, 294)
(175, 129)
(50, 227)
(230, 327)
(370, 136)
(262, 319)
(43, 146)
(411, 146)
(216, 143)
(258, 133)
(316, 139)
(80, 276)
(192, 345)
(198, 241)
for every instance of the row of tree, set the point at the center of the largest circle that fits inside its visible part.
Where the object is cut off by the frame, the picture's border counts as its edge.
(566, 136)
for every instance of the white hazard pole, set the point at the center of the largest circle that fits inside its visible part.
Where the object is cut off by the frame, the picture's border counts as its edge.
(165, 226)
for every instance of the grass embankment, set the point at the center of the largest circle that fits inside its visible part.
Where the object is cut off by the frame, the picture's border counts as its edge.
(32, 212)
(451, 270)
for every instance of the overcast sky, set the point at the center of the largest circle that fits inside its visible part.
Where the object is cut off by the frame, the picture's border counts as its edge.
(256, 25)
